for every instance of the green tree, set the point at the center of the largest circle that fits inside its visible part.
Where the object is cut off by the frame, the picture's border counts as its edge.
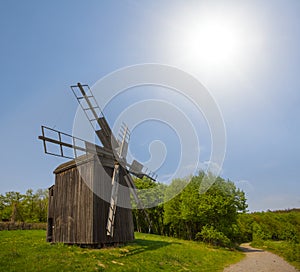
(173, 219)
(189, 211)
(28, 207)
(12, 209)
(150, 193)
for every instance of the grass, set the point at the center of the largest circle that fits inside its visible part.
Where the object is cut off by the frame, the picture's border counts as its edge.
(289, 251)
(26, 250)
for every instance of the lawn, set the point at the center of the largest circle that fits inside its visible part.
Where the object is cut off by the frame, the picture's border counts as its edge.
(26, 250)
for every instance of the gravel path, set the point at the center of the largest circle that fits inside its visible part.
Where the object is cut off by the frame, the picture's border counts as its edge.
(257, 260)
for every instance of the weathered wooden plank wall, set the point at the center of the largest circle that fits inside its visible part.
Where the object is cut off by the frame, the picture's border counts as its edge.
(78, 214)
(123, 230)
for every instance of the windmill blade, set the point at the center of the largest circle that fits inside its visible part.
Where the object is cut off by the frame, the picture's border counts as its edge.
(136, 168)
(64, 142)
(133, 189)
(113, 202)
(94, 114)
(124, 136)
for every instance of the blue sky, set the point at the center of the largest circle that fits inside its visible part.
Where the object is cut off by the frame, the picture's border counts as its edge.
(251, 68)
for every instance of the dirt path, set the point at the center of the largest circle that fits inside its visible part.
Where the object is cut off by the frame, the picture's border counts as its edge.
(257, 260)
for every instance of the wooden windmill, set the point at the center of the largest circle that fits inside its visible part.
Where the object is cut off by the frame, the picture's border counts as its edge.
(77, 213)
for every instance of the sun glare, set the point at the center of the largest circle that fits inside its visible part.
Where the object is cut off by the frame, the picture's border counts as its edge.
(214, 43)
(211, 40)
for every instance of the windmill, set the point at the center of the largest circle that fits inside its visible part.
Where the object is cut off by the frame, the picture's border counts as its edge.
(68, 219)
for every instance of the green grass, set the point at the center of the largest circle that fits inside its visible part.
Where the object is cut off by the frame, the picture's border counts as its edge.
(289, 251)
(27, 251)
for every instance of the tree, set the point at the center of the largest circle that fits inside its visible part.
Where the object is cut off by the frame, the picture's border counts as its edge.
(172, 213)
(11, 206)
(189, 211)
(28, 207)
(150, 193)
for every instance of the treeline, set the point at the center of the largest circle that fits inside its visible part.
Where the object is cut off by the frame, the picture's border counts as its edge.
(29, 207)
(210, 217)
(218, 216)
(276, 226)
(277, 231)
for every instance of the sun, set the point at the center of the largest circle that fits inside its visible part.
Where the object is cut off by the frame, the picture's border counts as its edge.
(214, 43)
(211, 41)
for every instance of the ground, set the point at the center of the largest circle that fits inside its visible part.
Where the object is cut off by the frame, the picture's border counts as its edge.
(257, 260)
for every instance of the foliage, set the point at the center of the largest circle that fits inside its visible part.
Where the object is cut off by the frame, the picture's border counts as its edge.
(28, 251)
(22, 226)
(149, 193)
(261, 226)
(186, 212)
(28, 207)
(277, 231)
(210, 235)
(189, 212)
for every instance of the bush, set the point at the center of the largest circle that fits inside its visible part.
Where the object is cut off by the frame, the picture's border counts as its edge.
(211, 236)
(22, 226)
(289, 233)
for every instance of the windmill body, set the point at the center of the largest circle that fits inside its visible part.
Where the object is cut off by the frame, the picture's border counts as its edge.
(77, 214)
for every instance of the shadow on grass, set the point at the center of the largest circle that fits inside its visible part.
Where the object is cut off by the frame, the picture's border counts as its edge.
(142, 246)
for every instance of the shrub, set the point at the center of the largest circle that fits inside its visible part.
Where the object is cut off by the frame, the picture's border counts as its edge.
(211, 236)
(22, 226)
